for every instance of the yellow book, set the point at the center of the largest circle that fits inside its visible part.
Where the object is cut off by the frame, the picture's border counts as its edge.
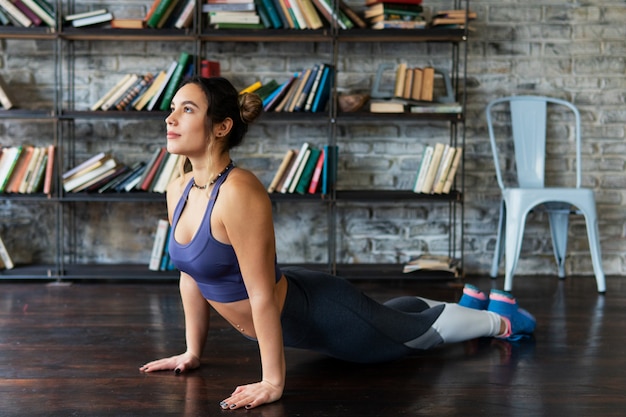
(150, 92)
(252, 87)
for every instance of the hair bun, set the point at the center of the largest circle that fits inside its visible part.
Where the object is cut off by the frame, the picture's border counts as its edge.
(250, 107)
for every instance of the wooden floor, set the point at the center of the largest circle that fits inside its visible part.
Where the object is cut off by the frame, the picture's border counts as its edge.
(75, 351)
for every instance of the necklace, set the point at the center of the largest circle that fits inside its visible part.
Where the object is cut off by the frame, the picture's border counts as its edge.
(217, 177)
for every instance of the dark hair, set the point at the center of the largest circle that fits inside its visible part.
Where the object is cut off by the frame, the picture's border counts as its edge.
(225, 102)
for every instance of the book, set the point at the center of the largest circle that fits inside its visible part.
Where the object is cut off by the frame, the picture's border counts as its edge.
(323, 91)
(314, 87)
(251, 88)
(442, 170)
(314, 186)
(302, 100)
(8, 161)
(167, 173)
(282, 169)
(416, 87)
(428, 84)
(5, 257)
(312, 17)
(156, 98)
(160, 13)
(279, 94)
(129, 96)
(144, 98)
(98, 176)
(98, 104)
(158, 245)
(127, 23)
(28, 12)
(13, 183)
(82, 15)
(435, 108)
(329, 170)
(121, 91)
(185, 17)
(77, 181)
(6, 98)
(298, 174)
(398, 90)
(135, 170)
(113, 174)
(387, 106)
(442, 175)
(452, 172)
(209, 68)
(307, 173)
(422, 170)
(292, 172)
(289, 93)
(92, 20)
(83, 165)
(29, 173)
(428, 262)
(432, 168)
(37, 181)
(352, 14)
(272, 13)
(177, 76)
(15, 13)
(152, 170)
(49, 175)
(408, 84)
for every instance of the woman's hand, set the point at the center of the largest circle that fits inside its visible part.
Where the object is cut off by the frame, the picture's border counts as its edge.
(178, 363)
(252, 395)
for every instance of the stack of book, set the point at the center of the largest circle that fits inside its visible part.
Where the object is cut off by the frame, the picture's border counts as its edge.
(153, 92)
(88, 18)
(26, 169)
(305, 91)
(27, 13)
(102, 173)
(229, 14)
(437, 169)
(308, 170)
(395, 14)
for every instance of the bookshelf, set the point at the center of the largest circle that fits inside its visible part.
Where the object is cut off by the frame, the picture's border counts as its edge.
(77, 132)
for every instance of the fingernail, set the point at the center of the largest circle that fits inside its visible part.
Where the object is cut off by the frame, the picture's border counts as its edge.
(177, 371)
(249, 406)
(223, 404)
(233, 406)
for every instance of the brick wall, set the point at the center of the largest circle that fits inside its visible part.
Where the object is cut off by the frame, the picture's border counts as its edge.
(569, 50)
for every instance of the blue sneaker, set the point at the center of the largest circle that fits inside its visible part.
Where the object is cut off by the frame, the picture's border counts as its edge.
(473, 298)
(521, 324)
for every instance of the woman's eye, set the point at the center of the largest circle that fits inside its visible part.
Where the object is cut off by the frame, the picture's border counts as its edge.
(187, 109)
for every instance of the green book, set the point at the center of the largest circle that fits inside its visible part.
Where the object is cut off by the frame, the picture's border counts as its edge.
(157, 15)
(267, 89)
(307, 173)
(172, 85)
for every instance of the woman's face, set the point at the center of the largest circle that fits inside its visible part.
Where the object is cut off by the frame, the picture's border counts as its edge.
(187, 127)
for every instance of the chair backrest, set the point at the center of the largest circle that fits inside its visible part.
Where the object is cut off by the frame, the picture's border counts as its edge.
(528, 128)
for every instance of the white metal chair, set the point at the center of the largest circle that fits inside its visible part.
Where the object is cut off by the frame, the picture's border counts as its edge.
(528, 128)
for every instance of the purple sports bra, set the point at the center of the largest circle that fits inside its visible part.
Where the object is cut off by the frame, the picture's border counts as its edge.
(212, 264)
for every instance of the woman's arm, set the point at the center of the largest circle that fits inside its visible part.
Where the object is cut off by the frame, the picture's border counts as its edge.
(250, 229)
(197, 315)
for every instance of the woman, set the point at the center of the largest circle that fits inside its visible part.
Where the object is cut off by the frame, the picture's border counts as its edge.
(223, 244)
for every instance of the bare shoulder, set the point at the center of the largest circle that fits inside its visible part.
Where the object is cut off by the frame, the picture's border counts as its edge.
(242, 186)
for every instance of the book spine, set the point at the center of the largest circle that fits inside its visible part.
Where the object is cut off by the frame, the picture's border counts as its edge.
(40, 12)
(5, 256)
(47, 185)
(158, 246)
(423, 169)
(172, 85)
(273, 14)
(294, 168)
(307, 173)
(158, 13)
(16, 13)
(280, 172)
(432, 169)
(314, 186)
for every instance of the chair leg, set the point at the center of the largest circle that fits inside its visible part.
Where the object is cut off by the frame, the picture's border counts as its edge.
(594, 246)
(515, 222)
(559, 222)
(499, 248)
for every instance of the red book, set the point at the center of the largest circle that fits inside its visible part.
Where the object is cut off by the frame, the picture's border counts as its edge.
(209, 68)
(152, 170)
(28, 12)
(317, 175)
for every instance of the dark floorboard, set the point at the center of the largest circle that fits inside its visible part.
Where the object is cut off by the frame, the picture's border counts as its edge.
(75, 351)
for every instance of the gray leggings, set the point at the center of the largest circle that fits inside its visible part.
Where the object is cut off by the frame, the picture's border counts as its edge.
(329, 315)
